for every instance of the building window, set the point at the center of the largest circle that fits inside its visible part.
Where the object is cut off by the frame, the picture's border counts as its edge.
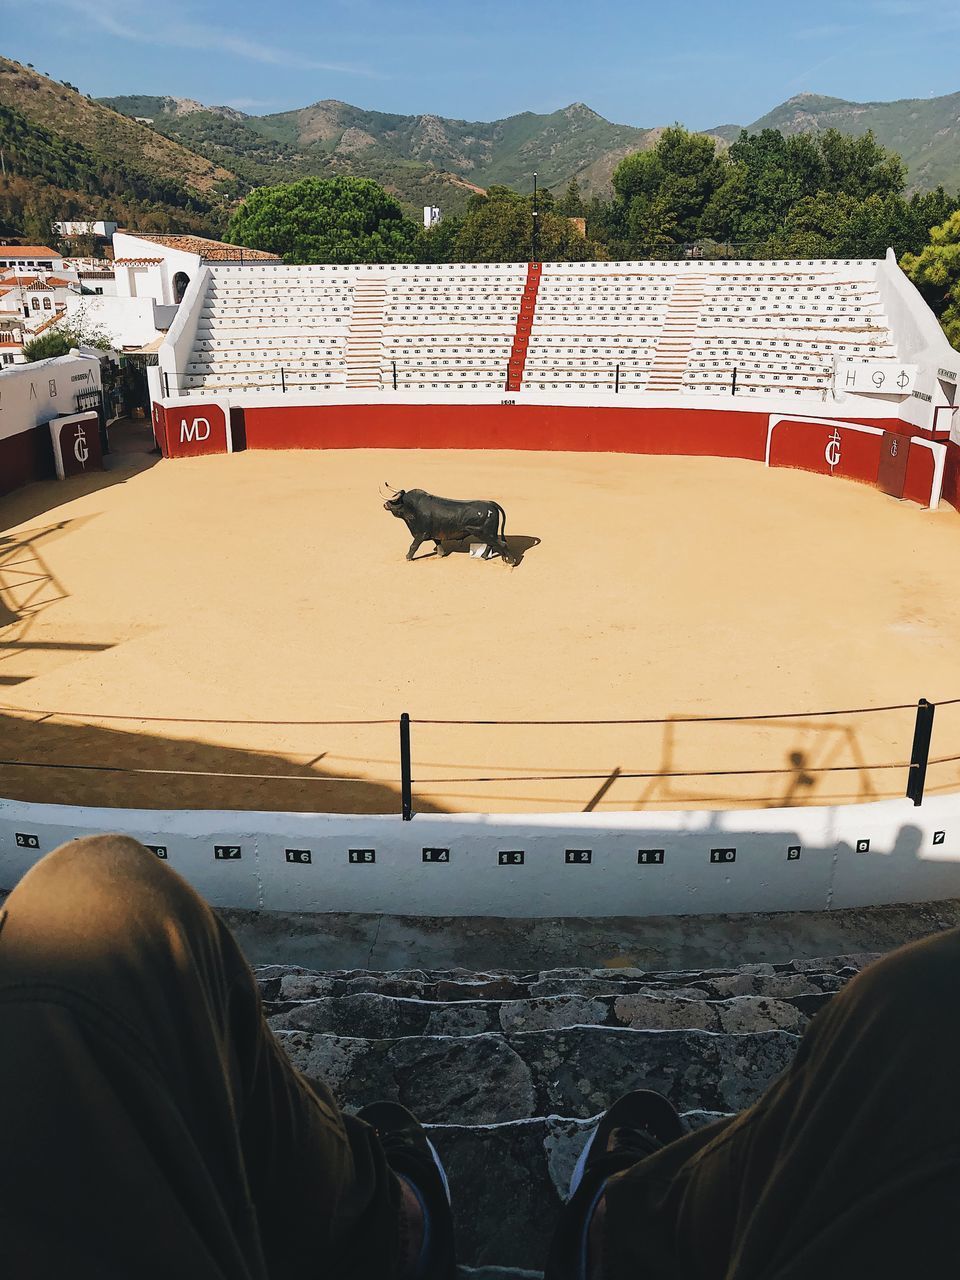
(47, 304)
(98, 289)
(180, 283)
(7, 359)
(35, 303)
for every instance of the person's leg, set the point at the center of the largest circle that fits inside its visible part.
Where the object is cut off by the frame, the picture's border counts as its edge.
(152, 1125)
(849, 1165)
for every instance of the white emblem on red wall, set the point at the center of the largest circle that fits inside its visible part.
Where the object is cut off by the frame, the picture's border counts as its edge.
(81, 450)
(832, 451)
(198, 430)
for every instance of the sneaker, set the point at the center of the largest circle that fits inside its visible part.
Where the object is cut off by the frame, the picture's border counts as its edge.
(412, 1156)
(637, 1125)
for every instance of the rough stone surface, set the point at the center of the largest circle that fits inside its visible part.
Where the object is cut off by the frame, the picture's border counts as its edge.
(476, 1079)
(561, 1011)
(498, 1180)
(511, 1069)
(581, 1070)
(744, 1014)
(576, 1071)
(375, 1016)
(335, 941)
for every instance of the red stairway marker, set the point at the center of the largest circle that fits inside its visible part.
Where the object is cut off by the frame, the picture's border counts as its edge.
(528, 305)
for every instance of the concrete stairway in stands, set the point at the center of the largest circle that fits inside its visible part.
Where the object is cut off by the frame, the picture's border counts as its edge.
(364, 347)
(677, 335)
(508, 1069)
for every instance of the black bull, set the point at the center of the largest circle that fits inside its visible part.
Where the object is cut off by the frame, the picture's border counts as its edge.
(432, 519)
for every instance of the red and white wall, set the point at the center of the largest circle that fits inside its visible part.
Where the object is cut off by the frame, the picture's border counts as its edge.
(881, 450)
(31, 396)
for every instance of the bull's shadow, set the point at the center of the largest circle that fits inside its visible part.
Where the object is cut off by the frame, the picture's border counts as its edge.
(519, 544)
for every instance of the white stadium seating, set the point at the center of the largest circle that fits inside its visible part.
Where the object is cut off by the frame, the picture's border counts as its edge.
(689, 327)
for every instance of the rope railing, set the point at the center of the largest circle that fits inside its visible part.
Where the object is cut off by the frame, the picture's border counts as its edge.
(915, 767)
(393, 720)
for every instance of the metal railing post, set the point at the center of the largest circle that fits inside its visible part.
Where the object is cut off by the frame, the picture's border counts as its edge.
(733, 385)
(406, 782)
(283, 381)
(166, 385)
(920, 753)
(616, 380)
(394, 375)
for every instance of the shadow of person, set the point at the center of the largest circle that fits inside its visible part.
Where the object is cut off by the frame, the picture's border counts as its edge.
(906, 847)
(800, 781)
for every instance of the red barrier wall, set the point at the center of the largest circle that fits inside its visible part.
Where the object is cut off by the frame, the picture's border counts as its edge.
(840, 449)
(951, 475)
(26, 457)
(565, 428)
(76, 444)
(920, 471)
(723, 433)
(190, 430)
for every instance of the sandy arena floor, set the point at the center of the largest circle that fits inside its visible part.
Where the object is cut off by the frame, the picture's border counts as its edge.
(273, 586)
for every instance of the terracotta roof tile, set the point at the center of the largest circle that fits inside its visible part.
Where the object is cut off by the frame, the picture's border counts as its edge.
(46, 324)
(137, 262)
(39, 284)
(212, 250)
(27, 251)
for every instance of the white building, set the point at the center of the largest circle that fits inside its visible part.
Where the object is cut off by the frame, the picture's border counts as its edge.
(30, 258)
(70, 230)
(134, 298)
(162, 265)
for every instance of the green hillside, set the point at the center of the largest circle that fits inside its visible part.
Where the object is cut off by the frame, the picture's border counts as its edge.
(925, 131)
(109, 137)
(404, 151)
(268, 149)
(67, 156)
(558, 146)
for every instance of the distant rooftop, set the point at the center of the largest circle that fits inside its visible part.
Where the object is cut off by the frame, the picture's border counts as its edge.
(212, 250)
(27, 251)
(35, 284)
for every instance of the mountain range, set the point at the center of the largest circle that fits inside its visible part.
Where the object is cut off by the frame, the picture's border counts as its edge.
(175, 160)
(419, 154)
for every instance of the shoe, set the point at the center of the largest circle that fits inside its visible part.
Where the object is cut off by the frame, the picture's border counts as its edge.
(637, 1125)
(412, 1156)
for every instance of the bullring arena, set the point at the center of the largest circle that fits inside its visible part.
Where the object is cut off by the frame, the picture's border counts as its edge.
(169, 599)
(710, 617)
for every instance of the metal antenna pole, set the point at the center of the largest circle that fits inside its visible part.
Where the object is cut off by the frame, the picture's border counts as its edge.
(535, 237)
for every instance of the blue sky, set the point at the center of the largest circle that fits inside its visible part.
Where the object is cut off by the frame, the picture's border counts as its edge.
(703, 63)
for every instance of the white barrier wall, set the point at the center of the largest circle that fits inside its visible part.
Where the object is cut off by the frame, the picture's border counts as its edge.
(682, 863)
(32, 394)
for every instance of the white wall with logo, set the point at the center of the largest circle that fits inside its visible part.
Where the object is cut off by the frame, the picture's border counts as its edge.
(679, 863)
(32, 394)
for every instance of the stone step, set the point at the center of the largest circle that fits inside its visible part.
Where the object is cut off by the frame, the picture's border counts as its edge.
(508, 1069)
(282, 984)
(372, 1015)
(506, 1215)
(490, 1078)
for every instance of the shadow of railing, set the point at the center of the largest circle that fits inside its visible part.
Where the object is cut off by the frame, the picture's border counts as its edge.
(28, 587)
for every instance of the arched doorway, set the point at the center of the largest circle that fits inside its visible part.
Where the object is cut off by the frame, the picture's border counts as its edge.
(180, 282)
